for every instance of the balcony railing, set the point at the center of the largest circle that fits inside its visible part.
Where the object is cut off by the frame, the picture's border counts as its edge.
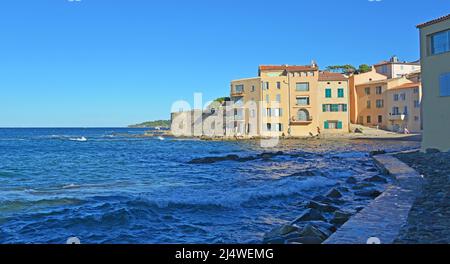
(397, 117)
(295, 121)
(237, 93)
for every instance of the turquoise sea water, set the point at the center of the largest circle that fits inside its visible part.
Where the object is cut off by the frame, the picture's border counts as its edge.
(113, 186)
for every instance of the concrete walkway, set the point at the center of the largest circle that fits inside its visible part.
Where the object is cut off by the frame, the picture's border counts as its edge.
(388, 213)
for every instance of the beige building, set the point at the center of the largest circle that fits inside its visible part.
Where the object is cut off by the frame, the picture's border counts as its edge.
(435, 61)
(395, 68)
(291, 101)
(358, 79)
(403, 106)
(391, 104)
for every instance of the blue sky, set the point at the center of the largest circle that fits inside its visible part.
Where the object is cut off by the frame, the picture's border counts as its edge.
(118, 62)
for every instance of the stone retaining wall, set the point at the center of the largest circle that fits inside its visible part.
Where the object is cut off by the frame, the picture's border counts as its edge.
(384, 217)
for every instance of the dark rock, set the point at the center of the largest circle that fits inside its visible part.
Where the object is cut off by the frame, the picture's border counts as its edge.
(327, 200)
(208, 160)
(334, 193)
(280, 231)
(274, 240)
(372, 170)
(432, 151)
(305, 240)
(321, 207)
(351, 180)
(310, 215)
(376, 178)
(312, 231)
(363, 185)
(377, 152)
(340, 217)
(372, 193)
(358, 130)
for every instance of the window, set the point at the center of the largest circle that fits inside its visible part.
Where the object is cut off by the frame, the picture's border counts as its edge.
(303, 115)
(239, 88)
(267, 98)
(384, 69)
(405, 110)
(369, 119)
(332, 124)
(416, 103)
(395, 97)
(328, 93)
(403, 96)
(278, 85)
(277, 112)
(395, 110)
(379, 90)
(380, 119)
(253, 88)
(302, 100)
(278, 98)
(265, 85)
(340, 92)
(444, 84)
(367, 90)
(380, 103)
(416, 118)
(369, 104)
(334, 108)
(416, 90)
(440, 42)
(302, 87)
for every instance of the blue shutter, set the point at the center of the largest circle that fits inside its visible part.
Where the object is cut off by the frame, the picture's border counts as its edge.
(326, 125)
(339, 125)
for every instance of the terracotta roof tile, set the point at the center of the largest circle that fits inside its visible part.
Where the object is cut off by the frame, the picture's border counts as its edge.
(434, 21)
(286, 68)
(331, 76)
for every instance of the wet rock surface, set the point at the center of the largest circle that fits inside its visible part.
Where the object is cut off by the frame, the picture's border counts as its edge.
(429, 218)
(323, 214)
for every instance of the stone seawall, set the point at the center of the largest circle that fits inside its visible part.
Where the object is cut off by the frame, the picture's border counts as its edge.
(387, 214)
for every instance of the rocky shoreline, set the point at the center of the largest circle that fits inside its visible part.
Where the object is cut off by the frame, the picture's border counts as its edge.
(320, 216)
(428, 220)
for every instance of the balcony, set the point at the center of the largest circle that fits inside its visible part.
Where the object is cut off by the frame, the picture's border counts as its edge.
(295, 121)
(397, 117)
(238, 93)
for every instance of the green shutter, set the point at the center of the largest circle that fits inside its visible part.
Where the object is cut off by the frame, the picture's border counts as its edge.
(339, 125)
(344, 107)
(326, 125)
(328, 93)
(324, 107)
(340, 93)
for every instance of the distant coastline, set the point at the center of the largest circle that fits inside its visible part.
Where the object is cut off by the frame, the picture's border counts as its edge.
(151, 124)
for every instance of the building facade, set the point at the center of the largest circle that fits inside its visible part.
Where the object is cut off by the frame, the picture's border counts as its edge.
(394, 68)
(390, 104)
(435, 61)
(291, 101)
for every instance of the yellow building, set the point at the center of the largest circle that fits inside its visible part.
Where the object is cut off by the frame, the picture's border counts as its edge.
(391, 104)
(435, 61)
(290, 101)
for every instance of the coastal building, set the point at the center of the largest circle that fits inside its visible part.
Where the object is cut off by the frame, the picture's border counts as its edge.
(292, 101)
(358, 79)
(391, 104)
(394, 68)
(435, 61)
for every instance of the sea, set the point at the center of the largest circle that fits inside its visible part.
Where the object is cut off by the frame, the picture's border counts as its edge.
(116, 186)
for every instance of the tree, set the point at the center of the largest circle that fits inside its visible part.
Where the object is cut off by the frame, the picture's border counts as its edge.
(347, 68)
(364, 68)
